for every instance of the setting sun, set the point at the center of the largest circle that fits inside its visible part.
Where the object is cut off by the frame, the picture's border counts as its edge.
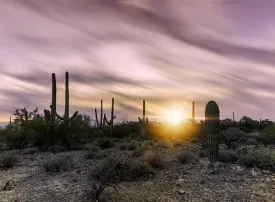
(175, 116)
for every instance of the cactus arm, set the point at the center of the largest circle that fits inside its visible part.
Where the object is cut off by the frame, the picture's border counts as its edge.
(101, 112)
(67, 95)
(59, 117)
(140, 120)
(53, 105)
(96, 118)
(106, 120)
(74, 115)
(193, 112)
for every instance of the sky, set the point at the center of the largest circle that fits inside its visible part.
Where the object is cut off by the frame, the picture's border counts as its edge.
(167, 52)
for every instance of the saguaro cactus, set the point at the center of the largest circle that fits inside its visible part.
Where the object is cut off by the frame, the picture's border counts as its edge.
(233, 116)
(193, 112)
(51, 115)
(144, 121)
(111, 122)
(99, 124)
(212, 121)
(66, 116)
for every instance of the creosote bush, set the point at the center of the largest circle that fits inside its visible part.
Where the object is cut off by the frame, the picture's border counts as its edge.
(30, 151)
(58, 163)
(114, 169)
(227, 156)
(154, 158)
(186, 157)
(8, 161)
(257, 156)
(104, 143)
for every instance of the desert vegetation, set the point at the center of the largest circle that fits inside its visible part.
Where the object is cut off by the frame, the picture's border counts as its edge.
(48, 157)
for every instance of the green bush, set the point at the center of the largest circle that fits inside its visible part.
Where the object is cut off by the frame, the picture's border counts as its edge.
(260, 157)
(233, 137)
(268, 135)
(227, 156)
(58, 163)
(121, 130)
(8, 161)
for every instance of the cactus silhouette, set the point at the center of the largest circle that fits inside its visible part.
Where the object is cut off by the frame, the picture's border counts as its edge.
(66, 116)
(51, 115)
(212, 121)
(99, 124)
(111, 122)
(193, 112)
(144, 121)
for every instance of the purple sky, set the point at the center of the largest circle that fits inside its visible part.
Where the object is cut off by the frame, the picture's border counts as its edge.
(168, 52)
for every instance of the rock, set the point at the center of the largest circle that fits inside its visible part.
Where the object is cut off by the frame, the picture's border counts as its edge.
(238, 169)
(181, 191)
(253, 172)
(9, 185)
(202, 181)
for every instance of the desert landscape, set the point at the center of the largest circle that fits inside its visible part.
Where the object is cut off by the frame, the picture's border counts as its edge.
(48, 157)
(137, 101)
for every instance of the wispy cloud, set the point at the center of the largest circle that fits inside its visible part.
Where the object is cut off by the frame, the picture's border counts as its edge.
(165, 52)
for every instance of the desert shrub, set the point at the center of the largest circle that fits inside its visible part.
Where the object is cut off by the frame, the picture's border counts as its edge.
(268, 135)
(121, 130)
(227, 156)
(138, 151)
(135, 127)
(33, 129)
(3, 146)
(202, 153)
(123, 146)
(58, 163)
(246, 149)
(259, 157)
(132, 145)
(106, 174)
(30, 151)
(140, 169)
(186, 157)
(8, 161)
(102, 154)
(233, 137)
(92, 152)
(17, 137)
(104, 143)
(57, 148)
(154, 158)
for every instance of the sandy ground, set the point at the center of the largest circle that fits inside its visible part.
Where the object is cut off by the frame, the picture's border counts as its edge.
(176, 182)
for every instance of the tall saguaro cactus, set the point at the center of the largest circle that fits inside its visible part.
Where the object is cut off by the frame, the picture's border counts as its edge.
(51, 115)
(99, 124)
(111, 122)
(212, 121)
(233, 117)
(66, 116)
(144, 121)
(193, 112)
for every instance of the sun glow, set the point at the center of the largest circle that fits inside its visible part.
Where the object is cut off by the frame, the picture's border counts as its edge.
(175, 116)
